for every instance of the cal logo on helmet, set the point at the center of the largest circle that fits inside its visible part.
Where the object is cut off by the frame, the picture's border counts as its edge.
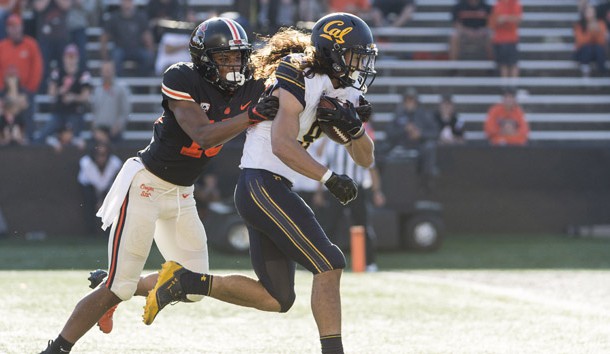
(334, 31)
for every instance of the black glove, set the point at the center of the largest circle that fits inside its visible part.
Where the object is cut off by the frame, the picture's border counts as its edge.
(364, 110)
(344, 118)
(265, 109)
(342, 187)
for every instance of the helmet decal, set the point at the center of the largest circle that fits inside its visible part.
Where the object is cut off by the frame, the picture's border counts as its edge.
(232, 28)
(333, 31)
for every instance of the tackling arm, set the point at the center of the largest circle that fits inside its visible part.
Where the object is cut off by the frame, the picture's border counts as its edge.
(195, 122)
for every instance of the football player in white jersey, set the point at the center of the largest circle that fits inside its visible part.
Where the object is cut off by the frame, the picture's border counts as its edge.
(336, 60)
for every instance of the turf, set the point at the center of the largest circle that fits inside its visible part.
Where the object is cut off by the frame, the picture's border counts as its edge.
(435, 311)
(478, 294)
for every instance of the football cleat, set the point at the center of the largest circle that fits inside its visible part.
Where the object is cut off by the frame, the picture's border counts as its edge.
(106, 322)
(96, 277)
(167, 291)
(51, 350)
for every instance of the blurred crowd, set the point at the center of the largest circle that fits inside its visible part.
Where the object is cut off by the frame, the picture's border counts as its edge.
(44, 49)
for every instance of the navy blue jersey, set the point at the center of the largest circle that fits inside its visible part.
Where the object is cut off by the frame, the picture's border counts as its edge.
(171, 154)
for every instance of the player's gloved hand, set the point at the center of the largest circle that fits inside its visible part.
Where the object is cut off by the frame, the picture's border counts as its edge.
(342, 187)
(264, 110)
(364, 110)
(343, 117)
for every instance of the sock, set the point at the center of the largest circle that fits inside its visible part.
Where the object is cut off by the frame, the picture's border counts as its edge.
(62, 345)
(196, 283)
(332, 344)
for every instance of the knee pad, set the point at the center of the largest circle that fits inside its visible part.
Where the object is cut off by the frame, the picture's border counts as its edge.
(124, 290)
(336, 258)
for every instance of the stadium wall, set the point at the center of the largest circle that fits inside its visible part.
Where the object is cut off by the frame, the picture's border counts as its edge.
(482, 189)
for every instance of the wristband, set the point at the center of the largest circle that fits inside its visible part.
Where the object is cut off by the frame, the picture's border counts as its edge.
(359, 134)
(326, 176)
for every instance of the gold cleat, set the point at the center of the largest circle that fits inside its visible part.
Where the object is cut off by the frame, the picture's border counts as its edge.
(167, 291)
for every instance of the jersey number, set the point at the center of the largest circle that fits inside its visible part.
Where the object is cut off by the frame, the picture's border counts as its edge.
(311, 136)
(196, 151)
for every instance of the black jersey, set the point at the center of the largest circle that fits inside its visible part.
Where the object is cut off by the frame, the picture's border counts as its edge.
(70, 83)
(171, 154)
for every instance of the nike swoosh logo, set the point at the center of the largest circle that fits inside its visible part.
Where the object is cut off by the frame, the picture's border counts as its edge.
(244, 106)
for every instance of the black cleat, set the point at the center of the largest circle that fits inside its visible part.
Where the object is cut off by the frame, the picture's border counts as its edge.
(52, 350)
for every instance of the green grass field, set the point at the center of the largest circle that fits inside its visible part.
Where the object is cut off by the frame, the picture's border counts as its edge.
(478, 294)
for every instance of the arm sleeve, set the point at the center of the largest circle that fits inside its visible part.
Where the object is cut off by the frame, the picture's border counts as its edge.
(176, 85)
(291, 78)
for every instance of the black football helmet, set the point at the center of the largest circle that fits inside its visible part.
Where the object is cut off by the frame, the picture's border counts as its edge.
(217, 35)
(336, 34)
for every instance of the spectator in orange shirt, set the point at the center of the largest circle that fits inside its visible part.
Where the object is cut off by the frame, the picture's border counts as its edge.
(506, 124)
(22, 53)
(590, 35)
(504, 22)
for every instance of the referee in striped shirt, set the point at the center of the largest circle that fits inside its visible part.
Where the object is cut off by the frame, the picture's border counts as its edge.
(369, 187)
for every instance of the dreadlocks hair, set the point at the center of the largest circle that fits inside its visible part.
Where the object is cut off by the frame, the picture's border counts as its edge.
(287, 41)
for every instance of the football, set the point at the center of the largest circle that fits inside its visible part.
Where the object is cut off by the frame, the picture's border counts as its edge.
(334, 133)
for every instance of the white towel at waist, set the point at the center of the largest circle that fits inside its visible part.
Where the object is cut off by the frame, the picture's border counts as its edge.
(114, 199)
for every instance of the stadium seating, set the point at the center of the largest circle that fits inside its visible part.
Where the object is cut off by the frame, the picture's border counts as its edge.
(560, 105)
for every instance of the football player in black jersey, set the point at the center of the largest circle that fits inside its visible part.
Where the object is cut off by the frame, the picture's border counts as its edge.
(336, 60)
(205, 103)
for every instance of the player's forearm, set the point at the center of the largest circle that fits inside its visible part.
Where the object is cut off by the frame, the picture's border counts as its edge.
(362, 151)
(210, 135)
(294, 156)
